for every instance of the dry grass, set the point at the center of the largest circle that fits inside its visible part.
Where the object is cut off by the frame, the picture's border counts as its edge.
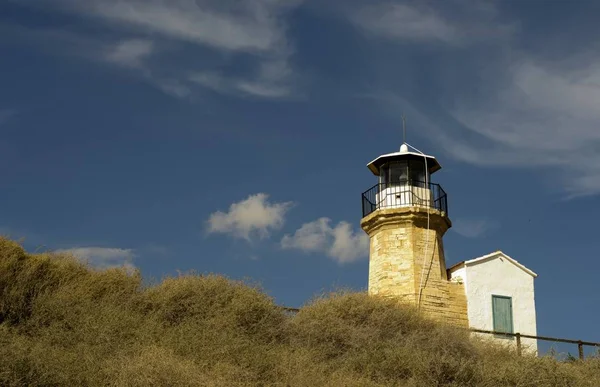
(63, 324)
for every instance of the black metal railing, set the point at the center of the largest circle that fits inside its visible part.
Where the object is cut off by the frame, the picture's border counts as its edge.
(518, 336)
(406, 193)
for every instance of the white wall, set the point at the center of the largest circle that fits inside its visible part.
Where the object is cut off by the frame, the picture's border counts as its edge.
(499, 276)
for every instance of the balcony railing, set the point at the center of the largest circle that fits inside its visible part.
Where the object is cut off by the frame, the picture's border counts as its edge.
(409, 193)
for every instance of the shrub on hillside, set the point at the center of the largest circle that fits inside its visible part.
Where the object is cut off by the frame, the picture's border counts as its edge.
(374, 337)
(63, 324)
(212, 299)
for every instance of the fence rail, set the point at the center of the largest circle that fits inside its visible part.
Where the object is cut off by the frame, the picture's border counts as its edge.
(518, 336)
(406, 193)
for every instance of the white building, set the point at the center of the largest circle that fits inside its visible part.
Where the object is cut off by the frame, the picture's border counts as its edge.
(500, 295)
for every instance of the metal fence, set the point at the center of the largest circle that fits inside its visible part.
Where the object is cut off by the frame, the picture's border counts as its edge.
(518, 336)
(406, 193)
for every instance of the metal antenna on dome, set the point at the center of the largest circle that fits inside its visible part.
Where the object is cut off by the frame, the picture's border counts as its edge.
(403, 129)
(404, 146)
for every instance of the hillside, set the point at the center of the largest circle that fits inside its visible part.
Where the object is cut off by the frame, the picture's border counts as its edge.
(63, 324)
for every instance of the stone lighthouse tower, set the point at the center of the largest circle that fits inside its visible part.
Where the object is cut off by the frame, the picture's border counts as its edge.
(406, 217)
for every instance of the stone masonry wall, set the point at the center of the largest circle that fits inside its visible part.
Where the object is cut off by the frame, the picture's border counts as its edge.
(405, 256)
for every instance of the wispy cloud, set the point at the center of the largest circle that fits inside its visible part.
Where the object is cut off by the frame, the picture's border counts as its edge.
(102, 257)
(134, 54)
(403, 21)
(270, 82)
(249, 32)
(421, 22)
(541, 117)
(229, 25)
(473, 228)
(253, 216)
(520, 109)
(172, 87)
(340, 242)
(130, 52)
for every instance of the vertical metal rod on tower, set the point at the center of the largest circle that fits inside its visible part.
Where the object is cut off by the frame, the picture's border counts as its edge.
(403, 129)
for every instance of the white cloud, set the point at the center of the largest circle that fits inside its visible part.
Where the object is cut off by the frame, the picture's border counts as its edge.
(422, 23)
(172, 87)
(263, 89)
(517, 109)
(523, 125)
(126, 53)
(270, 82)
(253, 215)
(472, 228)
(102, 257)
(211, 80)
(251, 25)
(251, 32)
(130, 52)
(403, 21)
(260, 87)
(272, 79)
(340, 243)
(133, 53)
(540, 117)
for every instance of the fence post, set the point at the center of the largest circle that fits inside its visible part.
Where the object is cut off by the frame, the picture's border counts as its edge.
(580, 345)
(518, 344)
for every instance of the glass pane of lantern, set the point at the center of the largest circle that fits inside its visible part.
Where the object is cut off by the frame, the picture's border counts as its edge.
(386, 175)
(399, 172)
(417, 172)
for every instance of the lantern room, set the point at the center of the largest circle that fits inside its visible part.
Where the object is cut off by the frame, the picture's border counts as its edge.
(404, 180)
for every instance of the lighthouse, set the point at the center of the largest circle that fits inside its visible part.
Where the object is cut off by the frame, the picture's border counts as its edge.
(405, 215)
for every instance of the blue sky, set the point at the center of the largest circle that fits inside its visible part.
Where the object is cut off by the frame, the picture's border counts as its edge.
(233, 137)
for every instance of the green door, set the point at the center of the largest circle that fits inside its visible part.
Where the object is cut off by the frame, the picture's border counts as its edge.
(502, 312)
